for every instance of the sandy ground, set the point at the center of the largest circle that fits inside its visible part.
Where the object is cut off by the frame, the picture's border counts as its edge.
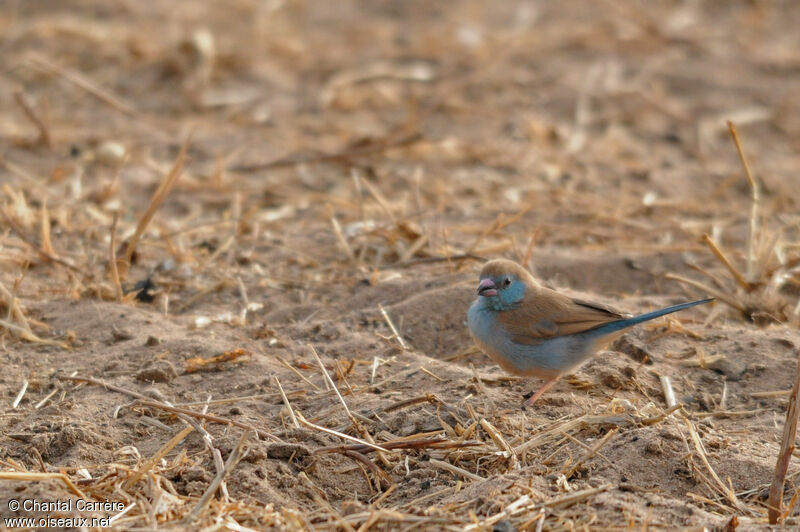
(349, 157)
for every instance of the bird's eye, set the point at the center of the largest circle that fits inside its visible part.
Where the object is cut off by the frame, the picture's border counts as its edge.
(506, 281)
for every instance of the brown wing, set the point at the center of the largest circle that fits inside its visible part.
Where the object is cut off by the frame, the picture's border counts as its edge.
(548, 314)
(604, 309)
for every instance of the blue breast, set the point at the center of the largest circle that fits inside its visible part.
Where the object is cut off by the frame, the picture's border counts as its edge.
(552, 356)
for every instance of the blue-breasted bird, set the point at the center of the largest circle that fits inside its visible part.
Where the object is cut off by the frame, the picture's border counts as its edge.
(534, 331)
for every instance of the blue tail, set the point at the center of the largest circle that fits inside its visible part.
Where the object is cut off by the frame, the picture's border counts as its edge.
(624, 324)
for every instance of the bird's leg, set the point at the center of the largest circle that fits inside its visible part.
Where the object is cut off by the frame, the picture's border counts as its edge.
(546, 386)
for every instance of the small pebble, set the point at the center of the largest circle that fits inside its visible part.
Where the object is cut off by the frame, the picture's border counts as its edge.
(110, 153)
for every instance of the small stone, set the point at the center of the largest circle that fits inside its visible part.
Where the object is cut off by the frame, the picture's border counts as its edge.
(119, 335)
(653, 447)
(110, 153)
(161, 371)
(287, 450)
(352, 507)
(504, 526)
(634, 349)
(732, 369)
(193, 474)
(152, 341)
(784, 342)
(612, 380)
(166, 265)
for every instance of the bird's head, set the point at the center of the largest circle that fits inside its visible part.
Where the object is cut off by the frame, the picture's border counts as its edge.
(503, 284)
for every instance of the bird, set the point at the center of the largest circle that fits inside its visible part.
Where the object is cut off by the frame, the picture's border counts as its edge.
(534, 331)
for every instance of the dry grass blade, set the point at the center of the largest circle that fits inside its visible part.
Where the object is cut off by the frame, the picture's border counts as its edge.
(660, 417)
(722, 296)
(84, 83)
(46, 398)
(33, 116)
(774, 393)
(296, 372)
(413, 249)
(501, 443)
(337, 230)
(724, 260)
(47, 244)
(414, 503)
(526, 504)
(303, 421)
(395, 333)
(550, 434)
(577, 496)
(522, 504)
(109, 386)
(155, 202)
(332, 384)
(379, 473)
(669, 393)
(20, 232)
(238, 399)
(161, 453)
(755, 192)
(593, 451)
(208, 417)
(427, 398)
(721, 487)
(112, 253)
(14, 310)
(723, 401)
(447, 466)
(379, 199)
(376, 147)
(775, 499)
(526, 258)
(286, 403)
(28, 336)
(230, 463)
(401, 444)
(24, 475)
(20, 395)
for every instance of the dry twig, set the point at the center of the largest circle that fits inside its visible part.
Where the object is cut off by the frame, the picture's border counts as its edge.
(395, 333)
(286, 403)
(161, 453)
(27, 108)
(155, 202)
(230, 463)
(775, 499)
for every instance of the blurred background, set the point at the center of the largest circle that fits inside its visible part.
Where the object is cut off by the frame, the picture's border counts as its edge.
(597, 124)
(611, 113)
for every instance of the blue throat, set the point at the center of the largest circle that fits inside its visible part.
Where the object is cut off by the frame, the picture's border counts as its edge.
(507, 298)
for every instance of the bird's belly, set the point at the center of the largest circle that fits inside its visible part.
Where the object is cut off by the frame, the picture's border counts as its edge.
(546, 359)
(515, 365)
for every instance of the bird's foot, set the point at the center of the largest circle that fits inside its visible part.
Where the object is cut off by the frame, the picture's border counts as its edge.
(546, 386)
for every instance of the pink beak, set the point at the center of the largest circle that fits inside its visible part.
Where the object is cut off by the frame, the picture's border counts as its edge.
(487, 288)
